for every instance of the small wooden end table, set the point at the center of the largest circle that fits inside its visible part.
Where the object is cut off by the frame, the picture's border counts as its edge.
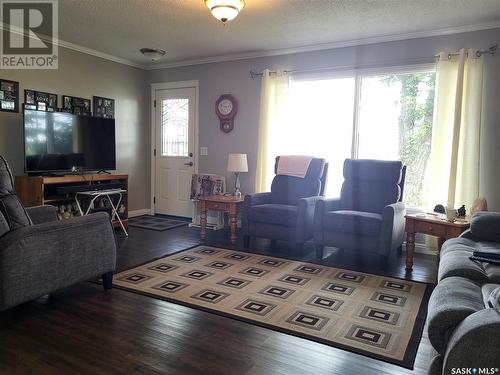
(432, 225)
(224, 203)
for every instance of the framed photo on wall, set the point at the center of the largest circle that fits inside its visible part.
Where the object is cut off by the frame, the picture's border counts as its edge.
(39, 100)
(9, 96)
(76, 105)
(104, 107)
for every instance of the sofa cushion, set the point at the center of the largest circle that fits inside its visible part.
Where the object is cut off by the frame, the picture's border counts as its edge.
(355, 222)
(289, 189)
(14, 212)
(454, 261)
(453, 299)
(280, 214)
(4, 226)
(485, 226)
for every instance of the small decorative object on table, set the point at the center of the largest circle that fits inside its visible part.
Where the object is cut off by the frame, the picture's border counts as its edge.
(461, 211)
(237, 163)
(479, 204)
(439, 209)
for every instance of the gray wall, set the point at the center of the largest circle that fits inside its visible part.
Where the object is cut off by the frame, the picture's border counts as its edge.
(84, 76)
(233, 77)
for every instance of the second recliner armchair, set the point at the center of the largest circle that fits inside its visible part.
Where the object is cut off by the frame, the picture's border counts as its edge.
(369, 215)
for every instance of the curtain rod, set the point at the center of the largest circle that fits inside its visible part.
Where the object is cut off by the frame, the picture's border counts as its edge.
(479, 53)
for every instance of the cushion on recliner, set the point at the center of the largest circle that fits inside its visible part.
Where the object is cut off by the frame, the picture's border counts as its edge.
(289, 189)
(370, 185)
(4, 226)
(12, 210)
(279, 214)
(6, 181)
(356, 222)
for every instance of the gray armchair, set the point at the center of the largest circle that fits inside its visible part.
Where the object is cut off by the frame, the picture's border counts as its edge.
(39, 254)
(287, 211)
(369, 215)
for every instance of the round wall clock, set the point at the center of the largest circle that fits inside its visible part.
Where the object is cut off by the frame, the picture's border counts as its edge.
(226, 108)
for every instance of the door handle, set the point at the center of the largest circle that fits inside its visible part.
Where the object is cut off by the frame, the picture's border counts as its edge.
(190, 163)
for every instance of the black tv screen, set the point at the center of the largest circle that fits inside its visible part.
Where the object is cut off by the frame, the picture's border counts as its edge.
(63, 142)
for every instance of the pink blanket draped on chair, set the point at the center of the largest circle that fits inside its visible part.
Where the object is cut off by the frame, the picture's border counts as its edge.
(293, 165)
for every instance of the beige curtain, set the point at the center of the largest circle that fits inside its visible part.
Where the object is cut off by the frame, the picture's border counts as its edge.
(456, 130)
(273, 101)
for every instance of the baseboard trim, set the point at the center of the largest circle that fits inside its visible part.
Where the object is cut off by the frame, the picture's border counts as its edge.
(134, 213)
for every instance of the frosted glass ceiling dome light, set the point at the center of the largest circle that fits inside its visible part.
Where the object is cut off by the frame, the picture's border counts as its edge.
(225, 10)
(154, 54)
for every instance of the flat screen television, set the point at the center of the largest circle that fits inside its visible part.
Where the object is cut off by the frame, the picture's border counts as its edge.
(63, 142)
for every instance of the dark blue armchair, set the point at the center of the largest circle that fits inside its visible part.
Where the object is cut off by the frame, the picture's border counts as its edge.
(287, 211)
(369, 215)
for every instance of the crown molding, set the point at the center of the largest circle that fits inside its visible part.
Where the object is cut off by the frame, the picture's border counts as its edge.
(327, 46)
(273, 52)
(75, 47)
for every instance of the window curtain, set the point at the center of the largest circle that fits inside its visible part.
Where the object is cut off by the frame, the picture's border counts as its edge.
(455, 147)
(273, 102)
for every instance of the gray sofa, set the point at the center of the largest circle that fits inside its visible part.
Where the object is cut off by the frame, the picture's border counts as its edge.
(369, 215)
(39, 254)
(463, 319)
(286, 212)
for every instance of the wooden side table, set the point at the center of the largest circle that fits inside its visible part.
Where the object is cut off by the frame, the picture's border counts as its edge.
(433, 226)
(228, 204)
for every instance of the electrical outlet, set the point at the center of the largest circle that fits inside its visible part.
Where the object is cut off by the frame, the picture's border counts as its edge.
(203, 151)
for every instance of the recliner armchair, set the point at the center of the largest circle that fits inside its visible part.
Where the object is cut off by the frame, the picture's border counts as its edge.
(39, 254)
(287, 211)
(369, 215)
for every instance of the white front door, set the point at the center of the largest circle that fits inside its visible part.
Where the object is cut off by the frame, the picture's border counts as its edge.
(175, 113)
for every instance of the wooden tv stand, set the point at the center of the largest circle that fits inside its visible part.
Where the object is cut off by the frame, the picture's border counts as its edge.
(41, 190)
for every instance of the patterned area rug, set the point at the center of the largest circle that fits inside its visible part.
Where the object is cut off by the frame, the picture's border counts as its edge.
(155, 222)
(380, 317)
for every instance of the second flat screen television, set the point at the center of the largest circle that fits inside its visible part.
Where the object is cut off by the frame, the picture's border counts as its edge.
(62, 142)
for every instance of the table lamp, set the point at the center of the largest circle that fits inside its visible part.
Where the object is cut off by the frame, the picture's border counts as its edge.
(237, 163)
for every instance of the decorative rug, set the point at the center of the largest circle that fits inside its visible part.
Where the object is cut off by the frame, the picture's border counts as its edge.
(157, 223)
(377, 316)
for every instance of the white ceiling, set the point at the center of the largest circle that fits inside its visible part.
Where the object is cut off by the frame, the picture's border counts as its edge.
(189, 33)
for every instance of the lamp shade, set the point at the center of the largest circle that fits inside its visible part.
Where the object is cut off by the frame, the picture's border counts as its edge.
(237, 163)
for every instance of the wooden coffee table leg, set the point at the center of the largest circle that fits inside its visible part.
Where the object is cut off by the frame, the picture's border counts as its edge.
(203, 220)
(410, 249)
(233, 214)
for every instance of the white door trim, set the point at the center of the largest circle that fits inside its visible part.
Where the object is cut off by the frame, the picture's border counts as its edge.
(166, 86)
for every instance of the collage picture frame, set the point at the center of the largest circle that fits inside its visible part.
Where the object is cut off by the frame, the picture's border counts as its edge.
(104, 107)
(40, 100)
(76, 105)
(9, 96)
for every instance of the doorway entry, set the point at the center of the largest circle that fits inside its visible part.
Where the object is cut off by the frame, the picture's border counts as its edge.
(175, 144)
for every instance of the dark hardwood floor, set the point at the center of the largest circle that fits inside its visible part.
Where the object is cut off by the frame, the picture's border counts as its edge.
(84, 330)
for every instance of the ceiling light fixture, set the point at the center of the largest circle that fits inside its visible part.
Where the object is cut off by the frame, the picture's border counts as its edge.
(225, 10)
(154, 54)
